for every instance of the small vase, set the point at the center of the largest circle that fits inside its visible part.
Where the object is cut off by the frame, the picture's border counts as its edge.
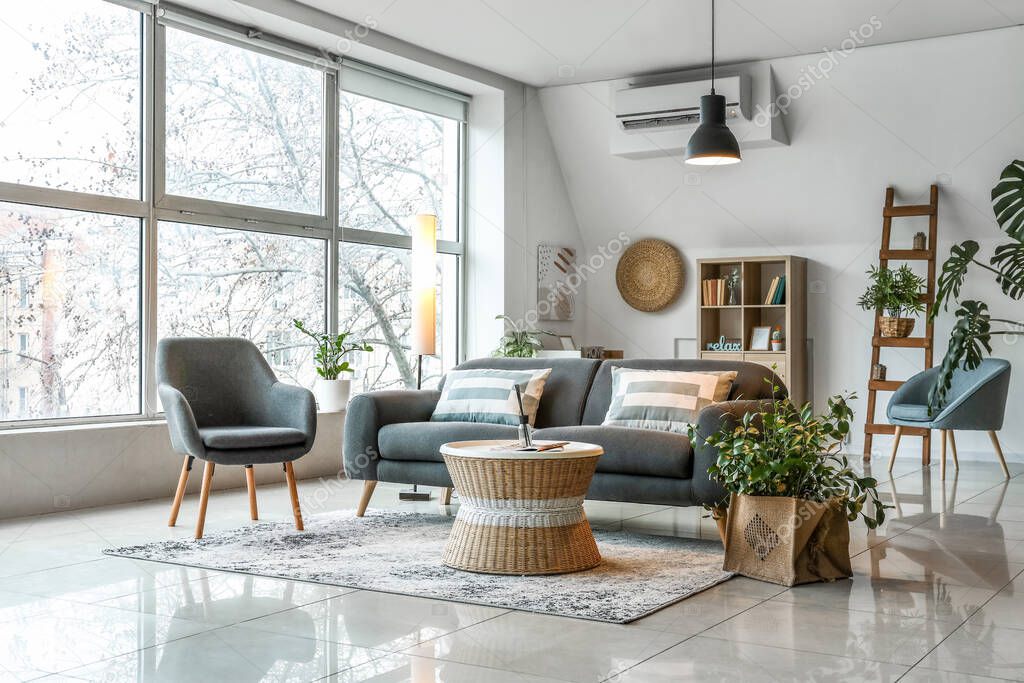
(331, 394)
(734, 299)
(776, 345)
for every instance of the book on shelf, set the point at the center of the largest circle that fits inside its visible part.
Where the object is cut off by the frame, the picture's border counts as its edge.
(713, 291)
(780, 292)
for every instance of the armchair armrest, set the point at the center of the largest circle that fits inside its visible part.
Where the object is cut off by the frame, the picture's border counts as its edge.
(915, 390)
(291, 406)
(709, 421)
(181, 422)
(367, 413)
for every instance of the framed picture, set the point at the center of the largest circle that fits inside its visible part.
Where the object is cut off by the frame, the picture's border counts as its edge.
(759, 338)
(567, 343)
(556, 300)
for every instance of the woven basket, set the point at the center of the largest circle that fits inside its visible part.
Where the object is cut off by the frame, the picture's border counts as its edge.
(650, 275)
(896, 327)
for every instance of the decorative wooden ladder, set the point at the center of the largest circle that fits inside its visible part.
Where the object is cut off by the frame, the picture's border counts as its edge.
(931, 209)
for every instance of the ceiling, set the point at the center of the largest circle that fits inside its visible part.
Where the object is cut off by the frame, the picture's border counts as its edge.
(554, 42)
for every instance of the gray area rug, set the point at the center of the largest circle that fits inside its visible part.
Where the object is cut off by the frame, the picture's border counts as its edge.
(399, 552)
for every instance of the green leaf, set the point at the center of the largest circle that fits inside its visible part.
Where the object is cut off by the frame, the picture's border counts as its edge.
(954, 270)
(1009, 261)
(1008, 200)
(970, 338)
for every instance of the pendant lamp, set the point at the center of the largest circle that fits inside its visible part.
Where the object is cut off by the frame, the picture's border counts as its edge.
(712, 144)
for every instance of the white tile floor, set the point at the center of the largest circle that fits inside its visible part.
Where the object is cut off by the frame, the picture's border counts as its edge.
(938, 596)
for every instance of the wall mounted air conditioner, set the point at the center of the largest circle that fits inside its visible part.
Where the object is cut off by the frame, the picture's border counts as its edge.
(656, 107)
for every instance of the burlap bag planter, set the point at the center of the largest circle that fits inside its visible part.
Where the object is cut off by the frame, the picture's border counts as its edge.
(787, 540)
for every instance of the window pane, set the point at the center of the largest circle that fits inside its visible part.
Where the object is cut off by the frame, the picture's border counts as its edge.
(69, 292)
(394, 163)
(374, 285)
(237, 283)
(242, 127)
(70, 96)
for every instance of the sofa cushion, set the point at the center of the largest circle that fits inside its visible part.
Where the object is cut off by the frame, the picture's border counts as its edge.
(664, 400)
(489, 395)
(423, 440)
(234, 438)
(911, 412)
(749, 382)
(631, 451)
(565, 391)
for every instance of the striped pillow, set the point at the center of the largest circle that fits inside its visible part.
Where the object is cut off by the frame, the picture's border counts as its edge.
(665, 400)
(489, 396)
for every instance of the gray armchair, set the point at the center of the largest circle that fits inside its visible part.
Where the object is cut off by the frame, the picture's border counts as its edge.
(225, 406)
(976, 402)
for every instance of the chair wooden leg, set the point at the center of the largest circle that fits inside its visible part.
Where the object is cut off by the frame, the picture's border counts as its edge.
(952, 450)
(364, 499)
(289, 474)
(895, 446)
(942, 466)
(186, 467)
(999, 453)
(204, 497)
(250, 482)
(446, 497)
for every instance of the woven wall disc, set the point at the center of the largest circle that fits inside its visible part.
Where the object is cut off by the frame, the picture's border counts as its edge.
(650, 275)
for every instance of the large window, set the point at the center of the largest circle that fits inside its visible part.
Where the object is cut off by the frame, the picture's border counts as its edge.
(69, 313)
(242, 127)
(162, 174)
(70, 96)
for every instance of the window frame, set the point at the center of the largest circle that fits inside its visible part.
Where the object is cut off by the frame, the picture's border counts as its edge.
(156, 205)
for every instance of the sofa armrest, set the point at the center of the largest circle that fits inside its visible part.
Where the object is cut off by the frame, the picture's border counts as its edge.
(290, 406)
(181, 422)
(706, 491)
(367, 413)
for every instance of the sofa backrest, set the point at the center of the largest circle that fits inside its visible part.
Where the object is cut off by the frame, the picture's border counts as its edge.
(565, 392)
(750, 380)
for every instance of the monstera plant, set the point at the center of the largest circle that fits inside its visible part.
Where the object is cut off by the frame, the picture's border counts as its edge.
(972, 334)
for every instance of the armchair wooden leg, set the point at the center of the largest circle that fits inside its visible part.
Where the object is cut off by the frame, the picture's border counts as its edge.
(289, 474)
(942, 466)
(364, 500)
(446, 497)
(952, 450)
(204, 497)
(179, 494)
(250, 482)
(999, 453)
(895, 446)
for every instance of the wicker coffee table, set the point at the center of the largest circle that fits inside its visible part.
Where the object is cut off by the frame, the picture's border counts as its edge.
(521, 512)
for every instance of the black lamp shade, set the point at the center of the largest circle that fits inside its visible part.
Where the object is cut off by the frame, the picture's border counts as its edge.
(712, 143)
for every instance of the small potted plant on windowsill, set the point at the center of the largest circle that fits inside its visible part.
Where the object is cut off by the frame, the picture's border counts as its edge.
(331, 390)
(895, 293)
(791, 492)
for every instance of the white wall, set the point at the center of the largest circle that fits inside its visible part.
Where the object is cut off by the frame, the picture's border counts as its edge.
(901, 114)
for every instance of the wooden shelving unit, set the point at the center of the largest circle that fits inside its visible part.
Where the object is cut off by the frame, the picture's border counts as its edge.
(735, 322)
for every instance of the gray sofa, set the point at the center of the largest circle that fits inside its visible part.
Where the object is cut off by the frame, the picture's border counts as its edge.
(389, 435)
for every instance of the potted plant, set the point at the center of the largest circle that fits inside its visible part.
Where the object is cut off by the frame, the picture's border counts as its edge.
(331, 389)
(894, 292)
(777, 339)
(518, 341)
(792, 494)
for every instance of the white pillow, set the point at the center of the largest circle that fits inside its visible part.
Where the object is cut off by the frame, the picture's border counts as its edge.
(489, 396)
(664, 400)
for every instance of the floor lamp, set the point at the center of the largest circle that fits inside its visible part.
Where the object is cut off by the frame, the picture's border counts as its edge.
(424, 307)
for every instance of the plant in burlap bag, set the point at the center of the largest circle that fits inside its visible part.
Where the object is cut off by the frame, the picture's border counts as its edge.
(792, 494)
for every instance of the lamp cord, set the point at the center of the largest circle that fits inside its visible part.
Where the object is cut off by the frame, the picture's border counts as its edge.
(712, 47)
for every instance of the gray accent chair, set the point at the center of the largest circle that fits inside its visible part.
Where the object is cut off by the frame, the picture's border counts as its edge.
(225, 406)
(389, 435)
(976, 401)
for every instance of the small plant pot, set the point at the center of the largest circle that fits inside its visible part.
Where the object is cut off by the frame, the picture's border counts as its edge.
(896, 327)
(331, 394)
(787, 540)
(776, 345)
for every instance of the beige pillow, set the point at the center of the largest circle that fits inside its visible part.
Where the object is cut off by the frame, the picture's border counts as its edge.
(664, 400)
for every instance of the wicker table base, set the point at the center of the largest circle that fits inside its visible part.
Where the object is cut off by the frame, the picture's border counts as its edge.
(521, 513)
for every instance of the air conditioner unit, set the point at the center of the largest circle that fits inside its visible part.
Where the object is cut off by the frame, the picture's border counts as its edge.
(674, 105)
